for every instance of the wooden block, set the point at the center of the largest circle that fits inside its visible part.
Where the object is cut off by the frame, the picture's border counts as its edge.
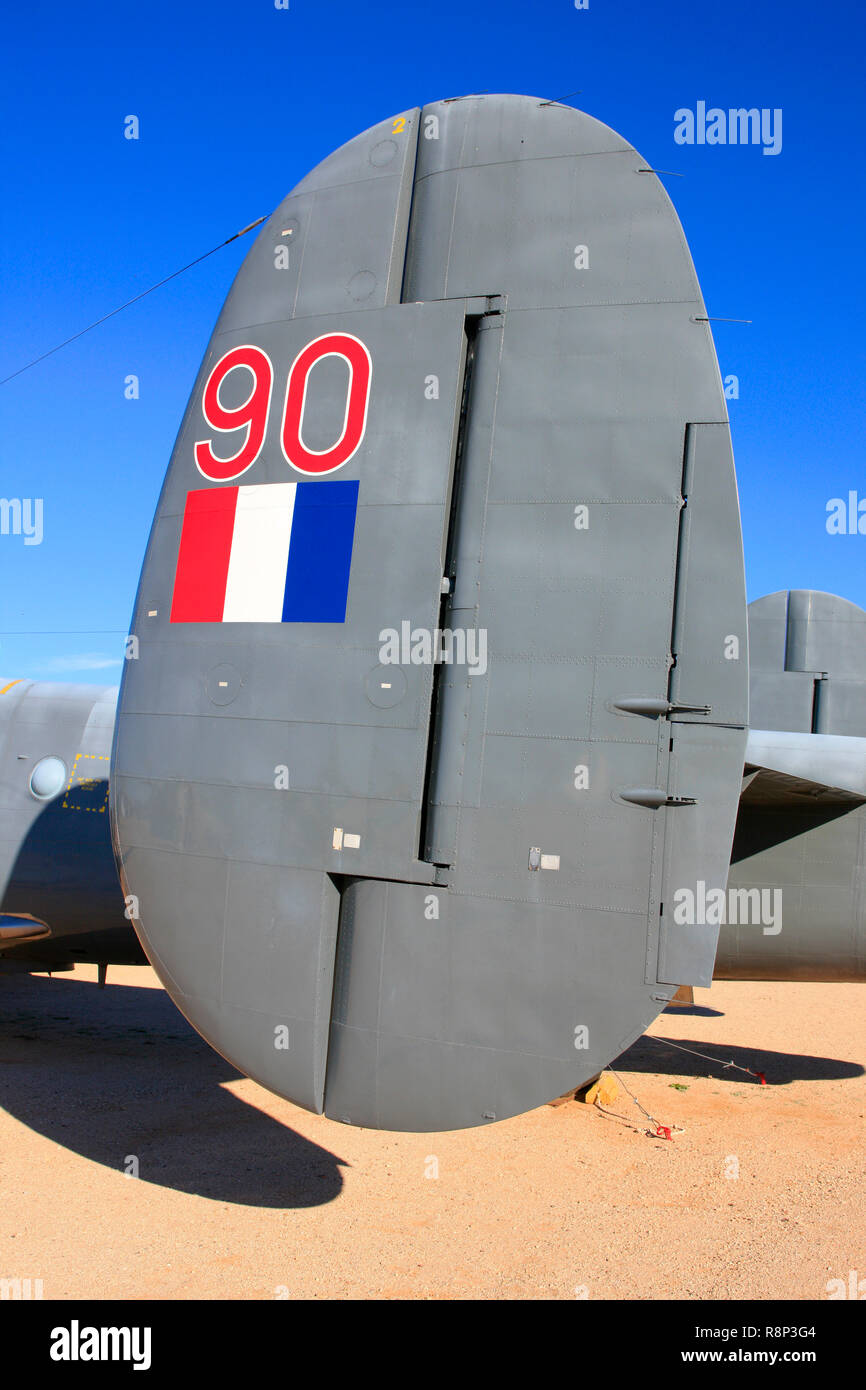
(604, 1091)
(561, 1100)
(684, 996)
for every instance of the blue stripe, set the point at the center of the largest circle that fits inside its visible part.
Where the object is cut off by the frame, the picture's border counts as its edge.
(320, 553)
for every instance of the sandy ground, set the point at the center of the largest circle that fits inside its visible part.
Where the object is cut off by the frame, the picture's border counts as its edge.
(242, 1195)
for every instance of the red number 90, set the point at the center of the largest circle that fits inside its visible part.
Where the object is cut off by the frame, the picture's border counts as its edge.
(253, 414)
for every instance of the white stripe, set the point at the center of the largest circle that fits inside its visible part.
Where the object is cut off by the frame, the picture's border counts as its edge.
(260, 554)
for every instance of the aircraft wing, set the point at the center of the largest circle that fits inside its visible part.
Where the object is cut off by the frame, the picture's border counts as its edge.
(783, 767)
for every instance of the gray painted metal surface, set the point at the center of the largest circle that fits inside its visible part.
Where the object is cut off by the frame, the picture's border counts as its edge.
(56, 861)
(801, 830)
(419, 894)
(808, 656)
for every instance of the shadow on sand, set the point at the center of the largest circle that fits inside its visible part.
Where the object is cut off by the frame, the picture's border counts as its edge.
(117, 1072)
(693, 1011)
(652, 1054)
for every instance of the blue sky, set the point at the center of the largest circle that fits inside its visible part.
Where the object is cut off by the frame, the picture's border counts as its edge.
(238, 100)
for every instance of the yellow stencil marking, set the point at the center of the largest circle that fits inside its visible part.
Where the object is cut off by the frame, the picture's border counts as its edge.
(86, 783)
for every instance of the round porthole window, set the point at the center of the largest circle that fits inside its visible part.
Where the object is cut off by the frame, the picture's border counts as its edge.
(48, 777)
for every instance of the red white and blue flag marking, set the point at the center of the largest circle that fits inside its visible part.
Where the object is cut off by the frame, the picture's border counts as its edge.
(273, 553)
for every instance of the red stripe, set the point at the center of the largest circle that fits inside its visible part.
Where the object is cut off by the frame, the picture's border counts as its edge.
(203, 558)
